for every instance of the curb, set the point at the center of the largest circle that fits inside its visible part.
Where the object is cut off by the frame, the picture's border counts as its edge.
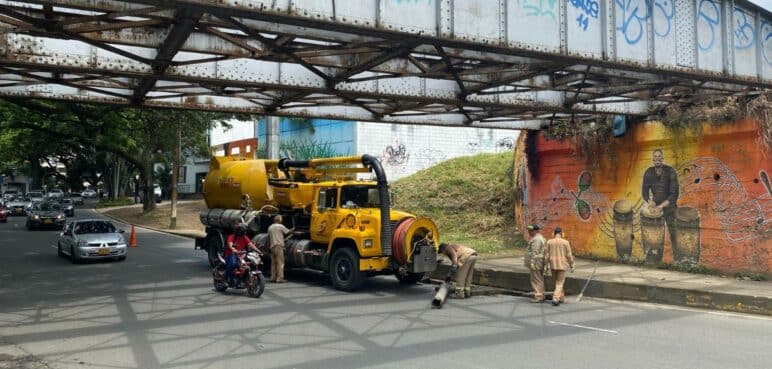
(520, 281)
(179, 234)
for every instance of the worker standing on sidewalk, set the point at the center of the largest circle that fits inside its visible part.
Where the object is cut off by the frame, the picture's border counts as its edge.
(463, 259)
(559, 256)
(534, 261)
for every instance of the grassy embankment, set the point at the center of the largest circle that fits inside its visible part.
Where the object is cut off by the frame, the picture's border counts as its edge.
(470, 199)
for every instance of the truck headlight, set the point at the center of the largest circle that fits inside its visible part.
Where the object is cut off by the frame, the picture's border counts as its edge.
(60, 216)
(368, 243)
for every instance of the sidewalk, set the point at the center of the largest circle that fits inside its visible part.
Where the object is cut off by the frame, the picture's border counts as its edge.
(611, 281)
(627, 282)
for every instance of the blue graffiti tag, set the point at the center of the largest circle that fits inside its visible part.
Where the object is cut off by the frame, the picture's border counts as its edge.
(743, 30)
(634, 14)
(708, 14)
(766, 41)
(539, 10)
(589, 8)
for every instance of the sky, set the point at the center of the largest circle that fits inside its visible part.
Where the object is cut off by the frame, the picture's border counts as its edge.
(766, 4)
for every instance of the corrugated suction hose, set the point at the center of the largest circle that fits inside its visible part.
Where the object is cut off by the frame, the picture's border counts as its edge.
(399, 248)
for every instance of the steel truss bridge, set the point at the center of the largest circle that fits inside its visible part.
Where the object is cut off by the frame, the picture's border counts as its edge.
(487, 63)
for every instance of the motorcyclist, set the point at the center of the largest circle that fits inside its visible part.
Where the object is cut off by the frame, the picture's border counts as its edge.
(237, 242)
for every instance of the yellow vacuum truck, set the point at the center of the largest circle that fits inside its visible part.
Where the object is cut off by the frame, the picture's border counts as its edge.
(343, 226)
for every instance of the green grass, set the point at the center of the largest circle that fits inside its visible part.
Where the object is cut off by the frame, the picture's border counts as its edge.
(469, 198)
(110, 203)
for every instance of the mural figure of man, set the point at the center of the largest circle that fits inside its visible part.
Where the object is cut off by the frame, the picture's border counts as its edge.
(660, 192)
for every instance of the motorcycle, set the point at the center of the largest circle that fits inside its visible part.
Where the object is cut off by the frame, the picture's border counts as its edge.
(247, 274)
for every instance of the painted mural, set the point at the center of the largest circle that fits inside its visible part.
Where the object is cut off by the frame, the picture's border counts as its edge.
(700, 198)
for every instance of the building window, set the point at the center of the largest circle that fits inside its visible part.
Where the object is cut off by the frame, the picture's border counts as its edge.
(182, 174)
(235, 151)
(249, 148)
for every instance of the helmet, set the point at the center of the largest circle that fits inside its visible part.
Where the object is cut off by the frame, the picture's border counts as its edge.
(241, 229)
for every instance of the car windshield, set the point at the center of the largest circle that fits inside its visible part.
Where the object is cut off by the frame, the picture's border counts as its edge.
(362, 196)
(49, 206)
(35, 194)
(94, 227)
(66, 201)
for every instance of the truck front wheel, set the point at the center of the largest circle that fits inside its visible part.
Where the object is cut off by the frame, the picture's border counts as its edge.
(344, 270)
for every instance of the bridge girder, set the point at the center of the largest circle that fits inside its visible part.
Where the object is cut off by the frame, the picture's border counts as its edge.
(358, 61)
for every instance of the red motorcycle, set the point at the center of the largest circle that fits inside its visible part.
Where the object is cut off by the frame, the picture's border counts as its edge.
(247, 274)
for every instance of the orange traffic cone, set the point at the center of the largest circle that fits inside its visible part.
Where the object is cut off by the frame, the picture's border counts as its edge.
(133, 237)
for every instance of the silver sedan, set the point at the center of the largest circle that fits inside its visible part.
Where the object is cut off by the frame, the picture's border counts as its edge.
(92, 239)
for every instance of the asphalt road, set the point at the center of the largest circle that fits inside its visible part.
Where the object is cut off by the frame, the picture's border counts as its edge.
(158, 309)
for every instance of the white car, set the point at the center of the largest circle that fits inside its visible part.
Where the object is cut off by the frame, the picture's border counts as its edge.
(89, 194)
(56, 194)
(35, 196)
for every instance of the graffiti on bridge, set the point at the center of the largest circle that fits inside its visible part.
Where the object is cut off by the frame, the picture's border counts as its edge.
(744, 35)
(708, 15)
(635, 13)
(766, 41)
(589, 9)
(538, 8)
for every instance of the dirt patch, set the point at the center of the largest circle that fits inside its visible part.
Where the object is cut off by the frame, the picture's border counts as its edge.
(187, 215)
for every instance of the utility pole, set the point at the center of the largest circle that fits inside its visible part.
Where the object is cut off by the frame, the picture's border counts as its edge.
(175, 173)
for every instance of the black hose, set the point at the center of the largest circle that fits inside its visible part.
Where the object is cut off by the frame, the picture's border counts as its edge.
(286, 164)
(383, 192)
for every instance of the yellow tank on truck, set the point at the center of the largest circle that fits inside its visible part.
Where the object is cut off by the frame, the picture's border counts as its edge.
(231, 177)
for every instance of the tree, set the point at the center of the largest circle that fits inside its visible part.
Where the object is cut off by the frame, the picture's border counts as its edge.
(141, 137)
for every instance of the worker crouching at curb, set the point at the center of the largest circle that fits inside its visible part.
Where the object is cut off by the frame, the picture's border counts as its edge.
(463, 259)
(558, 255)
(534, 261)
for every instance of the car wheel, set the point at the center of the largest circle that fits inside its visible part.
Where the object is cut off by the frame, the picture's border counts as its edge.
(73, 257)
(344, 270)
(59, 249)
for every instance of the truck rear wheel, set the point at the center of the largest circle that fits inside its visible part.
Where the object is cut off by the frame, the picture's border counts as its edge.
(215, 244)
(344, 270)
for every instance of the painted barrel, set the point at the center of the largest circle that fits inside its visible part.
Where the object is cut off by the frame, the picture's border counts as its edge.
(686, 248)
(652, 235)
(623, 229)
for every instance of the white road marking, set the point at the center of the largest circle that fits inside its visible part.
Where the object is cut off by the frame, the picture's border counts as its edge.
(584, 327)
(683, 308)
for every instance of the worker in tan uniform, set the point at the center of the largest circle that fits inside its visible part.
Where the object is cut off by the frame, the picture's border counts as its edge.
(559, 257)
(276, 233)
(463, 259)
(534, 261)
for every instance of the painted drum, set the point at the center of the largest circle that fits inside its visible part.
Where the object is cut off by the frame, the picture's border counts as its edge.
(652, 235)
(686, 249)
(623, 229)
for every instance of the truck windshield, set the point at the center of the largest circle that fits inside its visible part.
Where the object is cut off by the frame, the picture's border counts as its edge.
(361, 196)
